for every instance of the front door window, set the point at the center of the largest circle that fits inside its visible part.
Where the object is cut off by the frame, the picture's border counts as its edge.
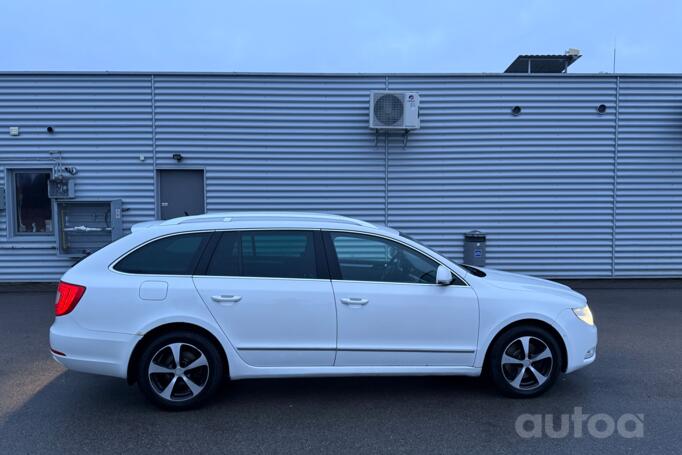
(366, 258)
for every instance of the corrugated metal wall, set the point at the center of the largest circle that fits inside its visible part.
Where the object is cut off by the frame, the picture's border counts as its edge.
(540, 184)
(648, 233)
(102, 124)
(562, 190)
(275, 142)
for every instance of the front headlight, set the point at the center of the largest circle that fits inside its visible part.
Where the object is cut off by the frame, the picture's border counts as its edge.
(584, 314)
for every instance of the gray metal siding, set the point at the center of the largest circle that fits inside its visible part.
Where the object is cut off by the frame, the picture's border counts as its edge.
(649, 179)
(275, 143)
(102, 125)
(539, 184)
(561, 190)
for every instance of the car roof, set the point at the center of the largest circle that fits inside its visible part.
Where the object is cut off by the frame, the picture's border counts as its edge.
(149, 230)
(246, 220)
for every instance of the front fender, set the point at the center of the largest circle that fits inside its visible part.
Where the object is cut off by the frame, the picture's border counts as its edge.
(485, 339)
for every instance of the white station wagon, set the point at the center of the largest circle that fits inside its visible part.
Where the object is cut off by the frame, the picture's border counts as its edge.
(178, 306)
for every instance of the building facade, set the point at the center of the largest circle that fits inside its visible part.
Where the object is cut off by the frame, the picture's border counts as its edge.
(569, 175)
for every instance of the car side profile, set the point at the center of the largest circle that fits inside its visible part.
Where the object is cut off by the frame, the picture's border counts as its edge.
(178, 306)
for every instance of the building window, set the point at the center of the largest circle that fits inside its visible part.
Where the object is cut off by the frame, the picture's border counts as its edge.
(32, 204)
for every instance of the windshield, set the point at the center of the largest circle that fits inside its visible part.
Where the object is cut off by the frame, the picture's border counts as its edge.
(470, 268)
(407, 236)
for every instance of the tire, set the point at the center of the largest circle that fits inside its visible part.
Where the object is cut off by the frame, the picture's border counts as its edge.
(518, 375)
(181, 388)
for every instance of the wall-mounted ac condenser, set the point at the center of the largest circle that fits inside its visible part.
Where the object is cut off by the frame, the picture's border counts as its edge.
(86, 226)
(394, 110)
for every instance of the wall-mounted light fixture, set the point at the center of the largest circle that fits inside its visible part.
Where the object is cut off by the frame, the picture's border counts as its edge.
(50, 130)
(516, 110)
(601, 108)
(177, 157)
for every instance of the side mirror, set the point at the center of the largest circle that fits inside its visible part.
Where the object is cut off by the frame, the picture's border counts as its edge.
(443, 275)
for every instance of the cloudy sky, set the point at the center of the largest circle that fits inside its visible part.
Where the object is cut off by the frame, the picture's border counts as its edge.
(336, 36)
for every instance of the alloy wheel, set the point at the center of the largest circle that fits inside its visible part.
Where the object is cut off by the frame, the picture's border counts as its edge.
(527, 363)
(178, 372)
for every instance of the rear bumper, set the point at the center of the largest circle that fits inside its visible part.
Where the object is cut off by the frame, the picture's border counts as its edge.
(90, 351)
(581, 342)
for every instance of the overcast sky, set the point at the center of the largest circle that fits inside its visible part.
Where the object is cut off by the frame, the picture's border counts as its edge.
(336, 36)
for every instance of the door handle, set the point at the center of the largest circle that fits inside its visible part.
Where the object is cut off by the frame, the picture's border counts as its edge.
(354, 301)
(226, 298)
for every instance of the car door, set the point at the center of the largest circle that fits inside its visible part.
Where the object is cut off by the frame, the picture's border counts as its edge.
(391, 312)
(271, 294)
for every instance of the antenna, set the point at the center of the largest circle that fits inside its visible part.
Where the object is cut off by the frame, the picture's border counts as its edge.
(614, 55)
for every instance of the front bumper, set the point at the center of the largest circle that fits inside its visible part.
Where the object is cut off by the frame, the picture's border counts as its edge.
(91, 351)
(581, 341)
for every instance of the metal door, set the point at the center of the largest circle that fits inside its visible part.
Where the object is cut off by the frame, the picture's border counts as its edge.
(181, 193)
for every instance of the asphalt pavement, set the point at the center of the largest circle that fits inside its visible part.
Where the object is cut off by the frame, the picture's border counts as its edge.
(636, 380)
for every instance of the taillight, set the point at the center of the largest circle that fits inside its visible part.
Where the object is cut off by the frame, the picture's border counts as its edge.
(68, 296)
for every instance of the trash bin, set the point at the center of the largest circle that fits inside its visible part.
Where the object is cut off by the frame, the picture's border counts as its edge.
(474, 248)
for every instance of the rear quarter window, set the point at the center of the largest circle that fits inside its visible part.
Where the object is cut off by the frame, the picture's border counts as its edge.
(173, 255)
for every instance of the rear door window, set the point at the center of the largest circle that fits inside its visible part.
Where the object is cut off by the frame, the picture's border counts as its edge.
(226, 260)
(172, 255)
(278, 254)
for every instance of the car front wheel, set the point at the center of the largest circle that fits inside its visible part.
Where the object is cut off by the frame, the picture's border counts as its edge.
(525, 361)
(180, 370)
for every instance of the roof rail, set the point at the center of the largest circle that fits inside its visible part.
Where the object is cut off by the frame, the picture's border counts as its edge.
(223, 217)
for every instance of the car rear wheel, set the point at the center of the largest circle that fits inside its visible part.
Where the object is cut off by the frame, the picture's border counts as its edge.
(525, 361)
(180, 370)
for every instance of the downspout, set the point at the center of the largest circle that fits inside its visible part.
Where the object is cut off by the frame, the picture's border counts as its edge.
(156, 195)
(615, 180)
(386, 166)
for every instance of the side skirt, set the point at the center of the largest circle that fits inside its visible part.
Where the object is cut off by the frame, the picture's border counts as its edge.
(248, 372)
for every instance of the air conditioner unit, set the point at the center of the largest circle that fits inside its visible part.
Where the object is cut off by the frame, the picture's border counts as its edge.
(394, 110)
